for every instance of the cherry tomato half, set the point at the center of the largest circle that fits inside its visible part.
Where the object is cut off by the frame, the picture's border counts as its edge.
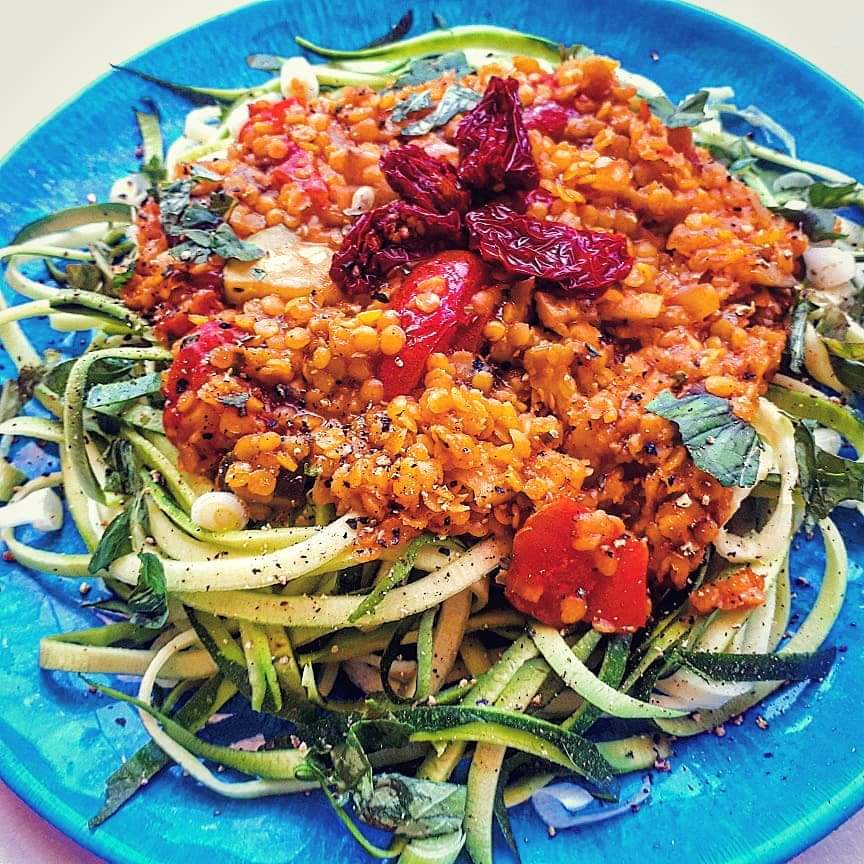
(437, 315)
(560, 585)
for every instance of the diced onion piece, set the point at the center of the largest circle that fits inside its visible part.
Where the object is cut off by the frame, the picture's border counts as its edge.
(829, 266)
(290, 267)
(198, 126)
(42, 509)
(131, 189)
(219, 511)
(297, 74)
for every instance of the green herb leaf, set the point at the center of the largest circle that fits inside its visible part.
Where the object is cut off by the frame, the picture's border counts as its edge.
(115, 543)
(720, 443)
(689, 112)
(757, 667)
(428, 68)
(797, 330)
(123, 464)
(825, 479)
(150, 759)
(225, 243)
(456, 100)
(149, 600)
(817, 223)
(420, 101)
(84, 277)
(412, 807)
(833, 195)
(398, 31)
(399, 572)
(202, 172)
(123, 391)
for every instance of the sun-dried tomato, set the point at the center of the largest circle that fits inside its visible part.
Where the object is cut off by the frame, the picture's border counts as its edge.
(550, 118)
(581, 262)
(494, 150)
(390, 236)
(419, 179)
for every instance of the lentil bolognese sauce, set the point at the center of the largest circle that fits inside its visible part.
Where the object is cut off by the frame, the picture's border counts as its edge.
(519, 285)
(431, 407)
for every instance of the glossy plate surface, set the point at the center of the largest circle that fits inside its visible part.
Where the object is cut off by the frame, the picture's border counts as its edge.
(752, 795)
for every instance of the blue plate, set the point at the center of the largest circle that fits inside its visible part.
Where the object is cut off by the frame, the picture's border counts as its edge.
(752, 795)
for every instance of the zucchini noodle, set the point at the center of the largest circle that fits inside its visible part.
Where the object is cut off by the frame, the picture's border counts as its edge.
(773, 539)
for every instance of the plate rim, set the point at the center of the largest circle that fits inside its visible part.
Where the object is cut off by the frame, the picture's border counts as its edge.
(50, 806)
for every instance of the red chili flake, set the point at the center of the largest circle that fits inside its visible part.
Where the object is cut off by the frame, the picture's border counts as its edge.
(419, 179)
(550, 118)
(493, 145)
(389, 236)
(581, 262)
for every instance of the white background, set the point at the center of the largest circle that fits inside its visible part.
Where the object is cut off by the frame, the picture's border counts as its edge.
(52, 48)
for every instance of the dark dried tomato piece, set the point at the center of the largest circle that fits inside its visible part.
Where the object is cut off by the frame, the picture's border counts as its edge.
(581, 262)
(550, 118)
(493, 145)
(419, 179)
(390, 236)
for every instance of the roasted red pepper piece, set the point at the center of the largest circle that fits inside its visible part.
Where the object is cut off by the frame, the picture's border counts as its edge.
(455, 278)
(550, 118)
(581, 262)
(494, 150)
(387, 237)
(419, 179)
(191, 366)
(560, 585)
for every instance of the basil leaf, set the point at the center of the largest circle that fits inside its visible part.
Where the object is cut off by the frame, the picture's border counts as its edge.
(850, 372)
(395, 33)
(122, 475)
(419, 101)
(816, 222)
(196, 216)
(832, 195)
(149, 599)
(115, 543)
(689, 112)
(84, 277)
(825, 479)
(757, 667)
(412, 807)
(797, 330)
(456, 100)
(124, 391)
(135, 773)
(428, 68)
(225, 243)
(720, 443)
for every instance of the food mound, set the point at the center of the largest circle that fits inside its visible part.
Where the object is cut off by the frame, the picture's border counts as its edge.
(454, 319)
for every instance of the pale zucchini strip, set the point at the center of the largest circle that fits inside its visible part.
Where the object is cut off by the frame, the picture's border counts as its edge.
(577, 676)
(485, 769)
(332, 613)
(260, 571)
(89, 659)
